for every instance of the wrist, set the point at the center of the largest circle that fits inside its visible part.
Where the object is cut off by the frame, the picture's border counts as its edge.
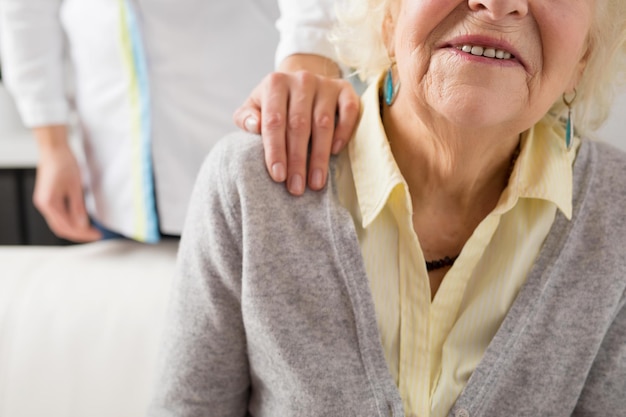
(315, 64)
(51, 138)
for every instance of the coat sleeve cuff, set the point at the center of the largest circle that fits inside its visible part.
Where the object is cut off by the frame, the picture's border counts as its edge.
(307, 41)
(43, 114)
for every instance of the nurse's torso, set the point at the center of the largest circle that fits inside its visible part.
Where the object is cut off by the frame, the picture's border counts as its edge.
(203, 58)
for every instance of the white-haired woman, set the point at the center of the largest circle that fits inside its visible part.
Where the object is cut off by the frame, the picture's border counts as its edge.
(467, 255)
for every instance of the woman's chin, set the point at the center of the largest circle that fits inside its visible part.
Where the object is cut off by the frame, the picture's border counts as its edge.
(478, 113)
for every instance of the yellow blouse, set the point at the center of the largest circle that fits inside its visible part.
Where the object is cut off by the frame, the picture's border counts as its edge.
(433, 347)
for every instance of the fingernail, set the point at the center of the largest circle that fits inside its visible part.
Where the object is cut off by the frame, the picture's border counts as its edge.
(317, 179)
(336, 147)
(252, 124)
(296, 185)
(278, 172)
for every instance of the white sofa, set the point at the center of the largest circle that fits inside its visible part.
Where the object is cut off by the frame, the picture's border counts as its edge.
(80, 327)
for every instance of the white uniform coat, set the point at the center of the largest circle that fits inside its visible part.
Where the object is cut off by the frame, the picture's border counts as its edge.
(155, 86)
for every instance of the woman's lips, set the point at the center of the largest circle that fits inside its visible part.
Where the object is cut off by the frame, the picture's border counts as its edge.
(486, 48)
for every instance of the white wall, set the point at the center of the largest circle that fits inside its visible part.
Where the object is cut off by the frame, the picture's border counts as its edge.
(614, 131)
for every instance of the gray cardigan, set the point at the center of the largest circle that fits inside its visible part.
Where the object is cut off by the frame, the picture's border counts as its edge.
(272, 315)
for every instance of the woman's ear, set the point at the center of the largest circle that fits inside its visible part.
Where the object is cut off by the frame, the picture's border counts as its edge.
(389, 27)
(580, 67)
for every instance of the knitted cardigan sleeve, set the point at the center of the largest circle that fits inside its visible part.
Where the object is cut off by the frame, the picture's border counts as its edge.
(204, 368)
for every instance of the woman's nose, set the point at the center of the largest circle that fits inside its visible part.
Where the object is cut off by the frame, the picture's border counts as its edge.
(499, 9)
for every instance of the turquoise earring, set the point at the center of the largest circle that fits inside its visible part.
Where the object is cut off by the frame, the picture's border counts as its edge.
(569, 125)
(390, 91)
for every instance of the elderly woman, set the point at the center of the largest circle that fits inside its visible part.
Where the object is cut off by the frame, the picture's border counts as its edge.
(467, 255)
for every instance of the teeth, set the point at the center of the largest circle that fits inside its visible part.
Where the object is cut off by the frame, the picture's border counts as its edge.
(486, 52)
(490, 53)
(477, 50)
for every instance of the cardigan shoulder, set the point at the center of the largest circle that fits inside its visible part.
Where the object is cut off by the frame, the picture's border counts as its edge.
(598, 227)
(602, 168)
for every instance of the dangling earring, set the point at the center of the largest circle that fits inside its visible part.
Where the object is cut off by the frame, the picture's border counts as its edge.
(569, 126)
(389, 90)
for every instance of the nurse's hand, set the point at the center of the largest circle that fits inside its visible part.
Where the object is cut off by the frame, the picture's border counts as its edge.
(58, 191)
(306, 100)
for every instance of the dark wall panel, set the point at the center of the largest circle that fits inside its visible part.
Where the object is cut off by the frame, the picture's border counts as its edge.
(20, 222)
(10, 216)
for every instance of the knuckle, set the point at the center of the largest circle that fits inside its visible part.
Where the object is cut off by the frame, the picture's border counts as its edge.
(273, 121)
(304, 77)
(351, 107)
(41, 203)
(37, 201)
(298, 123)
(275, 79)
(324, 121)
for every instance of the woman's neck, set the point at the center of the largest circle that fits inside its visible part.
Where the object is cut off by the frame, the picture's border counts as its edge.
(455, 177)
(450, 165)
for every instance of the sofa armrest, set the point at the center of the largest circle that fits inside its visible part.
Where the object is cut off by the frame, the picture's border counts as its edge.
(80, 327)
